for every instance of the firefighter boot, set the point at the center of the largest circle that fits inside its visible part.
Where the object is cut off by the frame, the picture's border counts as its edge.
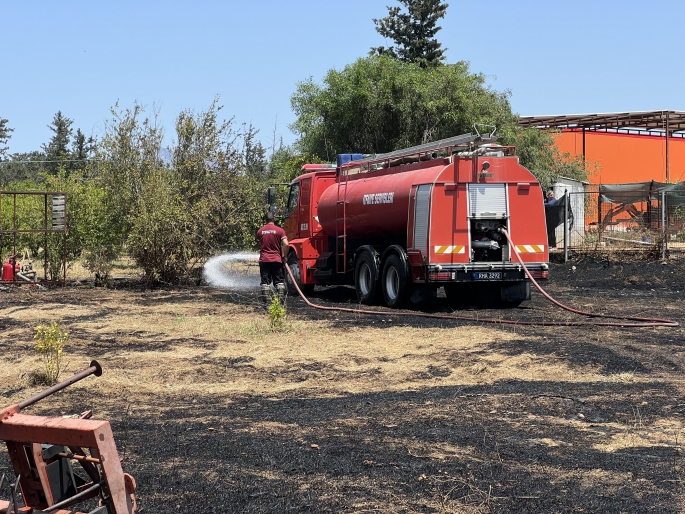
(281, 291)
(265, 295)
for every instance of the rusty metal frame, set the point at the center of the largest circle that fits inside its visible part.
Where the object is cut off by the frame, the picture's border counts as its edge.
(45, 230)
(24, 436)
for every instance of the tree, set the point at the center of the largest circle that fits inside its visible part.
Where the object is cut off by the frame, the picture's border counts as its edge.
(82, 148)
(4, 137)
(379, 104)
(254, 154)
(58, 148)
(126, 157)
(413, 32)
(22, 166)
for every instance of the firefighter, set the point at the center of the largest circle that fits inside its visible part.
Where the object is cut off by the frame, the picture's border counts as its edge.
(273, 253)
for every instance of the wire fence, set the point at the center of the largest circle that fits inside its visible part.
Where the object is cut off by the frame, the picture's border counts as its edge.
(618, 219)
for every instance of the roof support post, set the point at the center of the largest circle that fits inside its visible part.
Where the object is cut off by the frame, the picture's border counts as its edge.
(668, 164)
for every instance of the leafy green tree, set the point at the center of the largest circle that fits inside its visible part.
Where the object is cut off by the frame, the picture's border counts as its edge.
(5, 135)
(90, 235)
(379, 104)
(217, 186)
(126, 157)
(57, 149)
(254, 154)
(413, 32)
(22, 166)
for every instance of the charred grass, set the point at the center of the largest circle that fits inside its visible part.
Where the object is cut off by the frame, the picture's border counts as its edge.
(214, 411)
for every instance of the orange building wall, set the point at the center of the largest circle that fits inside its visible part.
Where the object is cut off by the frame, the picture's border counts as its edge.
(625, 158)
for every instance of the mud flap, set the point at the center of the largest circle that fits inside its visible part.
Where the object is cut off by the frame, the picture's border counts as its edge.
(515, 292)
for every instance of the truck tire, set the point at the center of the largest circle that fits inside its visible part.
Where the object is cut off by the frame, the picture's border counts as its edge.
(366, 279)
(292, 290)
(394, 282)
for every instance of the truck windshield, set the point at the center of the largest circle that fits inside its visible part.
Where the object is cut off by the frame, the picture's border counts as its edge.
(293, 198)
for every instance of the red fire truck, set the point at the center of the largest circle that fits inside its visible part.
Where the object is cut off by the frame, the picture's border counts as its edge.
(417, 219)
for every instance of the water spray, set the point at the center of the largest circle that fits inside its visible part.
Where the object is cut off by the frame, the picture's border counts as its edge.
(227, 271)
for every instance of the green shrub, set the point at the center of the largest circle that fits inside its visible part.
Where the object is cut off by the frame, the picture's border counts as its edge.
(277, 314)
(50, 346)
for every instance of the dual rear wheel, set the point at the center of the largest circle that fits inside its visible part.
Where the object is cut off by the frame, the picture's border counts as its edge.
(393, 283)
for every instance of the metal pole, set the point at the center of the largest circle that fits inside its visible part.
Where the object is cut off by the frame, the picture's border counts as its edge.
(566, 225)
(668, 164)
(94, 369)
(663, 225)
(77, 496)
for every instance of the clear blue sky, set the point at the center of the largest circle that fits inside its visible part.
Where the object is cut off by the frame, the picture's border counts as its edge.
(555, 57)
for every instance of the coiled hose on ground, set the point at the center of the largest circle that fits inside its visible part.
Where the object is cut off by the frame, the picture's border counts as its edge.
(627, 321)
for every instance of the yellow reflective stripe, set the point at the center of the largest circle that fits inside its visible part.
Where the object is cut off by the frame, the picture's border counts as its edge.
(450, 249)
(530, 248)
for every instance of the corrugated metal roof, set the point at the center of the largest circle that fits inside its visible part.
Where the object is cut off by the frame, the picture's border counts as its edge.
(674, 121)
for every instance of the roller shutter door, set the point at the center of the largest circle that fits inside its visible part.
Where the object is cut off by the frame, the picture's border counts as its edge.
(421, 218)
(487, 200)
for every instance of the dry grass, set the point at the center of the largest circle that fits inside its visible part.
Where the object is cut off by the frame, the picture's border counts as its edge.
(387, 415)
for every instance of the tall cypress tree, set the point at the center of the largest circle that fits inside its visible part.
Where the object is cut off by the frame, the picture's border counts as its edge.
(58, 147)
(81, 149)
(413, 32)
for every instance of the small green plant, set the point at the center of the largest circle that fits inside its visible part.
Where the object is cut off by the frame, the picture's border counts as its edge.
(50, 346)
(277, 314)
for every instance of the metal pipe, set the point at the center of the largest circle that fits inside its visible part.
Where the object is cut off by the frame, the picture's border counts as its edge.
(566, 198)
(78, 457)
(66, 502)
(94, 369)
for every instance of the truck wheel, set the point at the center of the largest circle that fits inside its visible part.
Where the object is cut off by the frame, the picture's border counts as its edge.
(394, 282)
(292, 290)
(366, 279)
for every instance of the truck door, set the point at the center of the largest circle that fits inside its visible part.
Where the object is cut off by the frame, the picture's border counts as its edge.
(292, 222)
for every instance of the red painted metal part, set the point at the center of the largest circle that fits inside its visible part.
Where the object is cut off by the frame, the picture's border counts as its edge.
(24, 435)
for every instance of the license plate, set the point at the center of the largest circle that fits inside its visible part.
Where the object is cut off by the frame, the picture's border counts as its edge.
(488, 275)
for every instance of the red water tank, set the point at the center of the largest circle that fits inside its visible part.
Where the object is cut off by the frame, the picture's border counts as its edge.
(377, 204)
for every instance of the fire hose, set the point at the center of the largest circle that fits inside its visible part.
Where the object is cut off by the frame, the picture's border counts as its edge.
(628, 321)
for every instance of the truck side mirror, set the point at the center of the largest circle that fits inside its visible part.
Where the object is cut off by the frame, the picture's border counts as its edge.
(271, 196)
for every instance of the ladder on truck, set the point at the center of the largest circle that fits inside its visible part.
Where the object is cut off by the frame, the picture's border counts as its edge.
(426, 150)
(341, 218)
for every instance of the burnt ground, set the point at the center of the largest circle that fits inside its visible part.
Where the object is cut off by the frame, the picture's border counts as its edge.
(601, 431)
